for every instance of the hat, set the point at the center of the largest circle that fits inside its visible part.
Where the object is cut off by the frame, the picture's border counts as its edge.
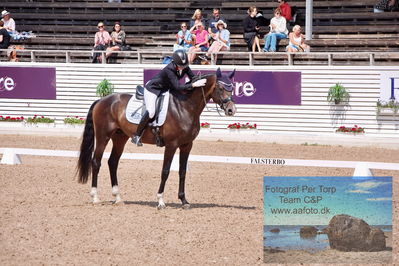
(221, 22)
(100, 24)
(4, 13)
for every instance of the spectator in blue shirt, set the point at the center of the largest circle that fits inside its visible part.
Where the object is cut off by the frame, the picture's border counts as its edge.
(221, 40)
(183, 39)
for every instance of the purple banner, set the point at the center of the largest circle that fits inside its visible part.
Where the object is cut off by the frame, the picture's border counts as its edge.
(259, 87)
(27, 82)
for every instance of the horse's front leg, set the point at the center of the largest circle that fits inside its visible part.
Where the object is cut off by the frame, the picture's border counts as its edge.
(184, 153)
(167, 161)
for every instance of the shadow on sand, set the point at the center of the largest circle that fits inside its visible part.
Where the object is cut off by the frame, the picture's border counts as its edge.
(192, 205)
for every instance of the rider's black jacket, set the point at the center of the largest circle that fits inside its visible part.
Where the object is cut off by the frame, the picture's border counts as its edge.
(168, 79)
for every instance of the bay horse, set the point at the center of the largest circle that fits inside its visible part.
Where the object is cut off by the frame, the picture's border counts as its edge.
(106, 120)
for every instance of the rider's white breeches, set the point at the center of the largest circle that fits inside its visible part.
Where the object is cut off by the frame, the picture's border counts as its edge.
(150, 101)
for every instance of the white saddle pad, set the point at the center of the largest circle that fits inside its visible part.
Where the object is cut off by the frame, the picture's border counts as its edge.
(135, 109)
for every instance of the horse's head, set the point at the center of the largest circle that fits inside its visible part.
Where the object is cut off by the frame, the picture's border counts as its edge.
(222, 94)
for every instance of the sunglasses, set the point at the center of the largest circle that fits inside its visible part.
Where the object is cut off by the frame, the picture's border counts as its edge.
(183, 27)
(100, 27)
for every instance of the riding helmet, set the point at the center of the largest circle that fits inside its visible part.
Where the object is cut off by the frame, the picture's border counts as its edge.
(180, 58)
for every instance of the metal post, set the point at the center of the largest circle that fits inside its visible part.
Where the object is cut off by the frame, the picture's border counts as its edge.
(251, 58)
(67, 57)
(309, 19)
(290, 59)
(213, 59)
(139, 58)
(32, 56)
(371, 55)
(103, 59)
(330, 59)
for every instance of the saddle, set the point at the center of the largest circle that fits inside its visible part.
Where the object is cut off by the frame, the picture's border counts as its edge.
(136, 107)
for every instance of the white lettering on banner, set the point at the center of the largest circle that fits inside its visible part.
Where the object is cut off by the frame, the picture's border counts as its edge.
(7, 83)
(244, 89)
(389, 86)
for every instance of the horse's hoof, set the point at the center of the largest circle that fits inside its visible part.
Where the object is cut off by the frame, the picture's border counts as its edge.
(161, 206)
(118, 202)
(186, 206)
(96, 201)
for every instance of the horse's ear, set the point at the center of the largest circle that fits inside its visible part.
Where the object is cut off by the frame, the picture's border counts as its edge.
(231, 75)
(218, 72)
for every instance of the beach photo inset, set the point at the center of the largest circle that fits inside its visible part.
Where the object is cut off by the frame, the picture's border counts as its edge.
(327, 219)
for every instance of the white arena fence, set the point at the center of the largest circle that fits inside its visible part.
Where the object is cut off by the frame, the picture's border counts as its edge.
(76, 90)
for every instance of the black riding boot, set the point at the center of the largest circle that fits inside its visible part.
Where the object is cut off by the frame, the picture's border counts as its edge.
(136, 139)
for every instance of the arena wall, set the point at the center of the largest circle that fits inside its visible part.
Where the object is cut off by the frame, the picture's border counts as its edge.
(76, 90)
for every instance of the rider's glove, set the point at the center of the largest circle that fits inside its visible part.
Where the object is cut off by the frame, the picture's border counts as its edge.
(199, 83)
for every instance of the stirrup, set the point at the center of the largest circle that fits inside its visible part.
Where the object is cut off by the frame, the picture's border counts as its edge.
(137, 140)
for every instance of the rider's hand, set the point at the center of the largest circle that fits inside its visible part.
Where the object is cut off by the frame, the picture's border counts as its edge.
(199, 83)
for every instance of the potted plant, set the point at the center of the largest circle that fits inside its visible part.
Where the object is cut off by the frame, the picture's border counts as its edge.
(40, 121)
(104, 88)
(338, 94)
(392, 106)
(238, 127)
(9, 121)
(351, 130)
(205, 127)
(75, 121)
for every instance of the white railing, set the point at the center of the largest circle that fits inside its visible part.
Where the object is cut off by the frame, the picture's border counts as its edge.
(323, 58)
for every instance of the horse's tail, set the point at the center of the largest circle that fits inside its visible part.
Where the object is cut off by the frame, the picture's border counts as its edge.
(86, 148)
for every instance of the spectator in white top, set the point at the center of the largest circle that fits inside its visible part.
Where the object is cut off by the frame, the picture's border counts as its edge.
(9, 23)
(278, 31)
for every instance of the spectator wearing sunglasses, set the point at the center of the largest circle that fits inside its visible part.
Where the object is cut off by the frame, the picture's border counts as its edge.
(102, 40)
(183, 38)
(278, 31)
(201, 41)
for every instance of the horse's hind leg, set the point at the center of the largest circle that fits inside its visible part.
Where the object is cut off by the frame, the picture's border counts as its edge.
(101, 143)
(119, 140)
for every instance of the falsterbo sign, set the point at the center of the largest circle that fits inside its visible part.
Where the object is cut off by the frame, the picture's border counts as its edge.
(259, 87)
(27, 82)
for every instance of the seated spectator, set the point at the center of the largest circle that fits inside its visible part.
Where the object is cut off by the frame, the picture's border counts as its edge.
(297, 41)
(101, 42)
(285, 10)
(197, 18)
(251, 29)
(118, 39)
(201, 41)
(386, 5)
(183, 39)
(4, 36)
(278, 31)
(212, 29)
(221, 40)
(9, 23)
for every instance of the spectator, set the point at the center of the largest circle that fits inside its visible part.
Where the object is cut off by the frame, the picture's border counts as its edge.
(212, 29)
(285, 10)
(297, 41)
(101, 41)
(197, 18)
(201, 41)
(183, 39)
(118, 39)
(386, 5)
(278, 30)
(9, 23)
(221, 40)
(251, 29)
(4, 36)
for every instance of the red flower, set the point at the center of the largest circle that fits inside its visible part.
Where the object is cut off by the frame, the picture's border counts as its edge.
(42, 116)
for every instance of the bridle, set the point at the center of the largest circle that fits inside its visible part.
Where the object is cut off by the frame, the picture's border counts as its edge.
(223, 102)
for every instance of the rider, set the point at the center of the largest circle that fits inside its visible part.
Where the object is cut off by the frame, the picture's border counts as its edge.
(167, 79)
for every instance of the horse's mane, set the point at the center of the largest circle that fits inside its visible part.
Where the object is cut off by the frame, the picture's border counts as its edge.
(198, 77)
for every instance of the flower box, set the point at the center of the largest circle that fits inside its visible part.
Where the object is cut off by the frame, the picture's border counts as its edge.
(355, 130)
(12, 124)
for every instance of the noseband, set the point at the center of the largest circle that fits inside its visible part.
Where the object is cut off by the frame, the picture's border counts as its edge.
(227, 87)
